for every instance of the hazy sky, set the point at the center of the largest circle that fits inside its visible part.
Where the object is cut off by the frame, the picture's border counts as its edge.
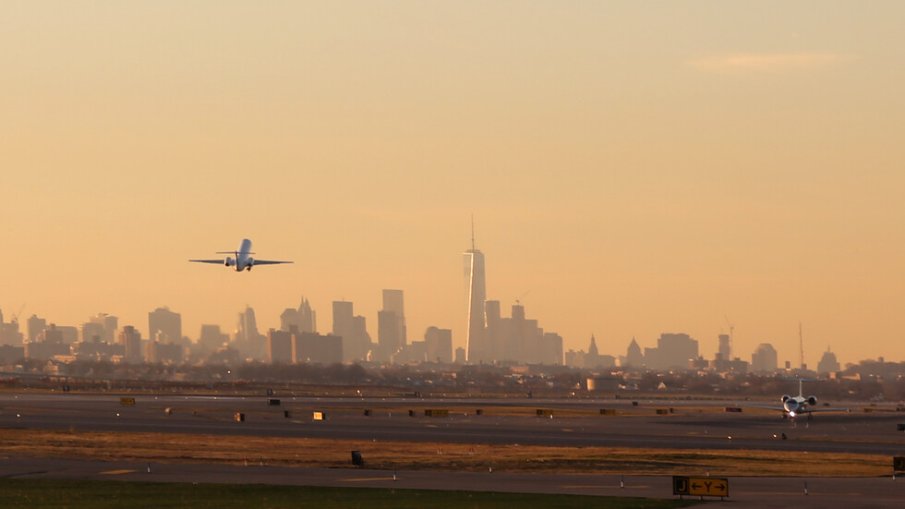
(633, 167)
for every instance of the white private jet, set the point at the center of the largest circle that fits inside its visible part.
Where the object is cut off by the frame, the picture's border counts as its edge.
(797, 405)
(793, 406)
(242, 260)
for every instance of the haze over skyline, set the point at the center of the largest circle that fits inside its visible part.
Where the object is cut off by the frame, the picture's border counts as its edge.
(632, 168)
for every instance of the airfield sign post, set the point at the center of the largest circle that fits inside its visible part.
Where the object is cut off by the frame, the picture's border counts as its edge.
(700, 486)
(898, 466)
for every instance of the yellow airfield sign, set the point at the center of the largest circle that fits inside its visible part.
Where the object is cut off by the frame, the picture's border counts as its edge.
(700, 486)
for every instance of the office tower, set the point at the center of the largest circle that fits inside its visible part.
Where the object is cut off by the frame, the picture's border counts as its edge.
(247, 328)
(391, 333)
(476, 347)
(724, 352)
(672, 351)
(551, 349)
(211, 339)
(111, 323)
(164, 325)
(9, 332)
(131, 340)
(248, 341)
(51, 334)
(828, 363)
(92, 332)
(764, 358)
(356, 343)
(108, 325)
(34, 326)
(344, 327)
(289, 320)
(387, 335)
(307, 317)
(302, 319)
(316, 348)
(438, 345)
(47, 344)
(393, 301)
(279, 347)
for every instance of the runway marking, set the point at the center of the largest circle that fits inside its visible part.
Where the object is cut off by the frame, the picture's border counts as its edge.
(117, 472)
(367, 479)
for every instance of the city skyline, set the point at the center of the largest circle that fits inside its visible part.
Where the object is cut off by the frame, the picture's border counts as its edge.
(102, 326)
(632, 168)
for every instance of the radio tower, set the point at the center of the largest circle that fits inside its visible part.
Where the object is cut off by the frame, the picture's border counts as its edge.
(800, 348)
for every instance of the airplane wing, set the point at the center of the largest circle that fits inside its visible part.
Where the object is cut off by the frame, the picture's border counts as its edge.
(218, 262)
(268, 262)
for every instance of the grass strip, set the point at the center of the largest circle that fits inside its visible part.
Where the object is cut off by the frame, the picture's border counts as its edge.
(63, 494)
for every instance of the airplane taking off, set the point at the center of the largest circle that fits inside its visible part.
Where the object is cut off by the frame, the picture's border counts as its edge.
(242, 259)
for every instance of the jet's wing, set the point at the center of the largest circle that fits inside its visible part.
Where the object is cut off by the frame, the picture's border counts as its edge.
(218, 262)
(268, 262)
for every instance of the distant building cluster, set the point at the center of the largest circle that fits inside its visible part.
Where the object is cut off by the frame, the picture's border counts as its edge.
(492, 338)
(679, 351)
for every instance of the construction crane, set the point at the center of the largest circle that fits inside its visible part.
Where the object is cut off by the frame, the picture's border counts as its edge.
(15, 316)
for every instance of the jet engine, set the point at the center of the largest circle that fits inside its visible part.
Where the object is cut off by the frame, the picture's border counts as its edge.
(812, 400)
(251, 261)
(786, 397)
(229, 261)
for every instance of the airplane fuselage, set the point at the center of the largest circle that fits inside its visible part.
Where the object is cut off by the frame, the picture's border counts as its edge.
(797, 405)
(243, 259)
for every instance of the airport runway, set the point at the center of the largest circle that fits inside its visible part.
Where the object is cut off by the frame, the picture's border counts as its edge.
(693, 425)
(744, 492)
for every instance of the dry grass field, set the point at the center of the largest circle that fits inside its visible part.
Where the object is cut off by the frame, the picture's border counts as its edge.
(307, 452)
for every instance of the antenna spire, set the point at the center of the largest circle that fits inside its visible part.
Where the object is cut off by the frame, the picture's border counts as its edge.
(472, 233)
(800, 346)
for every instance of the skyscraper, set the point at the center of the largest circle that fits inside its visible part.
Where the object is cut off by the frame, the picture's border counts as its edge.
(391, 334)
(438, 345)
(304, 319)
(307, 317)
(725, 348)
(131, 340)
(393, 301)
(764, 358)
(164, 325)
(34, 326)
(279, 347)
(476, 347)
(211, 339)
(249, 341)
(356, 343)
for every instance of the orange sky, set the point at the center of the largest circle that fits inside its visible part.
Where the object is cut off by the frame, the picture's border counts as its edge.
(633, 168)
